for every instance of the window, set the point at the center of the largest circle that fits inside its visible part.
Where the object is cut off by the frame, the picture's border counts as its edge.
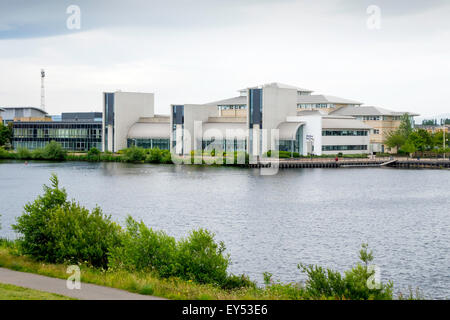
(376, 131)
(344, 148)
(345, 132)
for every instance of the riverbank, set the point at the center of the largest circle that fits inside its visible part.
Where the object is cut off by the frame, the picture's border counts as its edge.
(285, 161)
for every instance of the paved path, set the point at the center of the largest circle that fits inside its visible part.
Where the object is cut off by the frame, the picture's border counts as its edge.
(58, 286)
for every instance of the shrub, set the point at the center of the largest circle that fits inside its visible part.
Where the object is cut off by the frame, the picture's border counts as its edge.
(143, 249)
(55, 230)
(4, 154)
(198, 257)
(154, 156)
(202, 259)
(284, 154)
(37, 154)
(134, 154)
(166, 157)
(54, 151)
(23, 154)
(326, 283)
(94, 152)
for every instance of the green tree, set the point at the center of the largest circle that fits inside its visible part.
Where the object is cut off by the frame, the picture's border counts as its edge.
(405, 127)
(395, 140)
(408, 147)
(5, 134)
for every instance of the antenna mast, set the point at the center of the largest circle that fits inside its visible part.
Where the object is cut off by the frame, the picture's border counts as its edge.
(42, 90)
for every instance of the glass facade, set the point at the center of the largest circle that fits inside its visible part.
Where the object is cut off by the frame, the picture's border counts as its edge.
(233, 145)
(293, 145)
(149, 143)
(345, 148)
(177, 119)
(345, 132)
(72, 136)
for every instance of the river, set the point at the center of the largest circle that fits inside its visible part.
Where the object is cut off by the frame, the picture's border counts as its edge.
(270, 223)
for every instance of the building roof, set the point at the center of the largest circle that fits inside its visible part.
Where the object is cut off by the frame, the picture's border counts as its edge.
(320, 98)
(35, 108)
(280, 86)
(223, 130)
(241, 100)
(343, 123)
(288, 130)
(149, 130)
(368, 111)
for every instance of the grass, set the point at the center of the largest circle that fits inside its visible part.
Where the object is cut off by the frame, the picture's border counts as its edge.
(145, 283)
(10, 292)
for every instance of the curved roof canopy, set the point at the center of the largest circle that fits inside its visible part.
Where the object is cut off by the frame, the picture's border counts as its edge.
(149, 130)
(288, 130)
(224, 130)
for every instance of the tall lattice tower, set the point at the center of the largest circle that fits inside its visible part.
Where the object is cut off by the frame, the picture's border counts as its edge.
(42, 89)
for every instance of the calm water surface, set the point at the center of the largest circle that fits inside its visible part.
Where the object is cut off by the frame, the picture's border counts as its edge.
(270, 223)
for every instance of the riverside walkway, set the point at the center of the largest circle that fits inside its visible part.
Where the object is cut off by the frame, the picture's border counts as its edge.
(396, 162)
(58, 286)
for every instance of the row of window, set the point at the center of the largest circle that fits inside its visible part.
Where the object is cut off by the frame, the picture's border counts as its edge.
(315, 105)
(234, 145)
(162, 144)
(344, 148)
(233, 107)
(56, 133)
(379, 118)
(345, 133)
(71, 145)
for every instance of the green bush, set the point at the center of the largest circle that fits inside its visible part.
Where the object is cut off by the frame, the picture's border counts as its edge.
(326, 283)
(284, 154)
(198, 257)
(4, 154)
(37, 154)
(23, 154)
(202, 259)
(54, 151)
(94, 152)
(154, 156)
(57, 231)
(134, 154)
(143, 249)
(166, 157)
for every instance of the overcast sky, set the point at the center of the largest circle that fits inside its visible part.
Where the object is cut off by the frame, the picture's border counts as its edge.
(205, 50)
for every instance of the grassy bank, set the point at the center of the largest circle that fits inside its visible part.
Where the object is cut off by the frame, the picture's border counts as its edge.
(138, 282)
(10, 292)
(54, 152)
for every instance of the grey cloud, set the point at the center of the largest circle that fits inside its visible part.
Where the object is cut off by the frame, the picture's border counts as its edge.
(26, 19)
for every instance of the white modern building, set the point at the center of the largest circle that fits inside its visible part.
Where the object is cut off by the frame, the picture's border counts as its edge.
(258, 119)
(129, 119)
(263, 115)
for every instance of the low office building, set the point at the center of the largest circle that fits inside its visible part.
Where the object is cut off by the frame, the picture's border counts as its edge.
(1, 115)
(382, 122)
(11, 114)
(75, 132)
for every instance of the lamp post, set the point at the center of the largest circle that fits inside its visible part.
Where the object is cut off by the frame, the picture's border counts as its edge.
(443, 136)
